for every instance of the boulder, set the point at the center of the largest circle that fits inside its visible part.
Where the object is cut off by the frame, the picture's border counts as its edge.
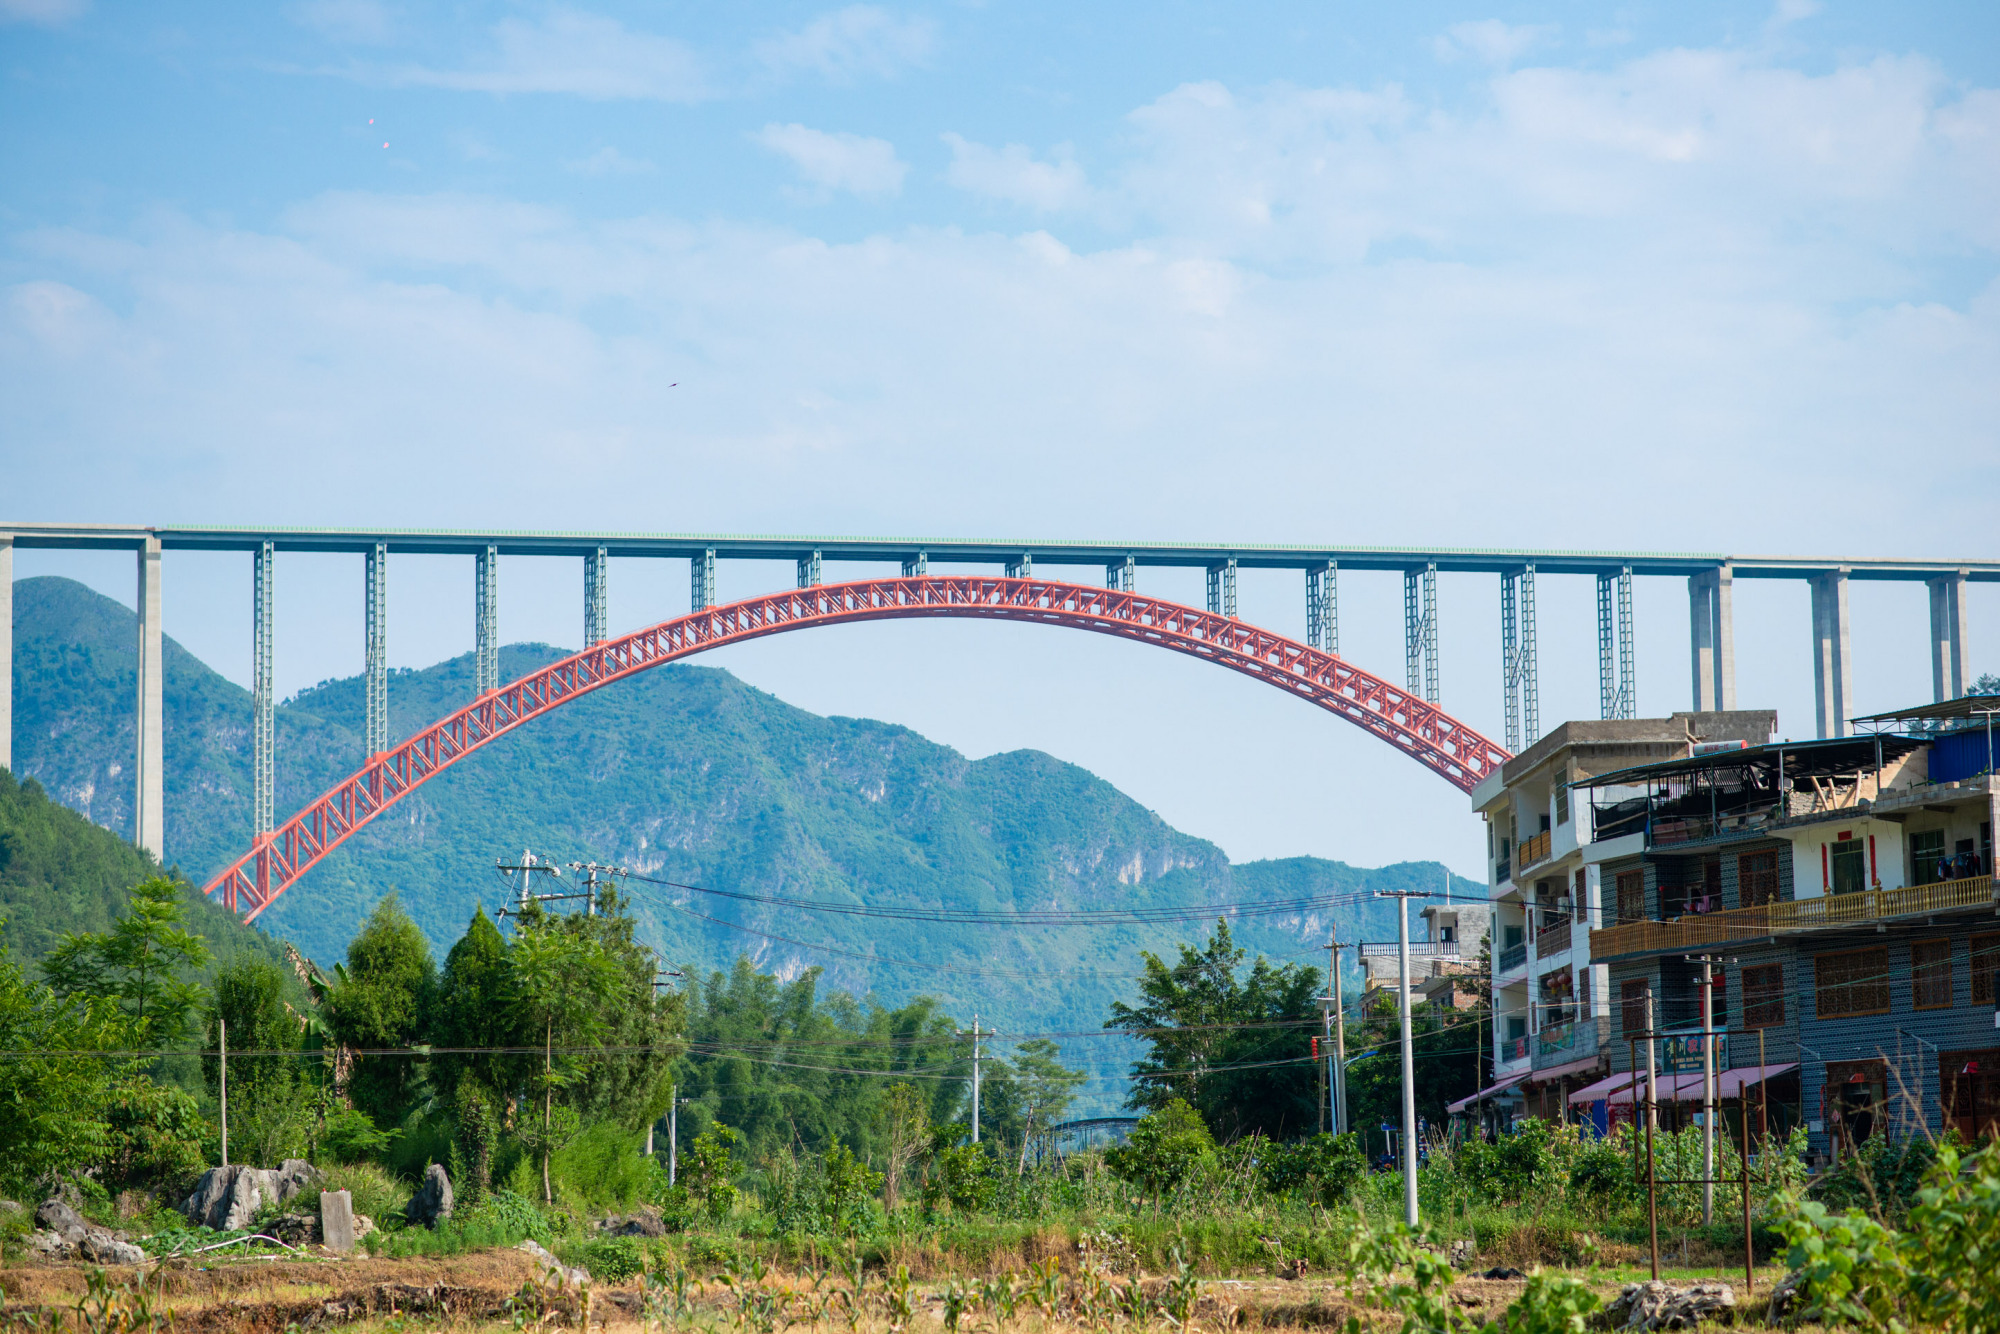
(552, 1267)
(63, 1220)
(1785, 1298)
(1655, 1305)
(52, 1246)
(642, 1223)
(432, 1202)
(294, 1229)
(227, 1198)
(363, 1225)
(107, 1248)
(8, 1208)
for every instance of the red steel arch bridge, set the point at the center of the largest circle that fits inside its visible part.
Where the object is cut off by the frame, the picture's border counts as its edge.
(1406, 716)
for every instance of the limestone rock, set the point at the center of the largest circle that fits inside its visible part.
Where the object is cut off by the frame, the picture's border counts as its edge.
(62, 1219)
(107, 1248)
(1651, 1306)
(294, 1229)
(563, 1274)
(432, 1202)
(227, 1198)
(52, 1246)
(641, 1223)
(8, 1208)
(363, 1225)
(1784, 1298)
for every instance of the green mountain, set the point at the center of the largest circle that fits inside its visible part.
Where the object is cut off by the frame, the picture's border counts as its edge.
(683, 774)
(61, 873)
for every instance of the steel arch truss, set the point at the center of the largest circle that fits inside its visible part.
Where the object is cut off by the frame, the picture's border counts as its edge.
(1418, 728)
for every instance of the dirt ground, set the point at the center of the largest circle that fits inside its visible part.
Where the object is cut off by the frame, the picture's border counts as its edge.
(246, 1295)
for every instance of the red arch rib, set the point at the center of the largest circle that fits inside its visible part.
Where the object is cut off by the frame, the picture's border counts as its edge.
(1421, 730)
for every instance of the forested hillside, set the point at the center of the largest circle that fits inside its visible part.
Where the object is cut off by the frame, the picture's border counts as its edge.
(684, 774)
(60, 873)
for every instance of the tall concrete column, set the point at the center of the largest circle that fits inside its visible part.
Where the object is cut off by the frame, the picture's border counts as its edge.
(701, 581)
(6, 651)
(1712, 638)
(1951, 665)
(1833, 676)
(148, 813)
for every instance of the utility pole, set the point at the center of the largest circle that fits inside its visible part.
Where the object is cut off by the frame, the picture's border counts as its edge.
(1409, 1155)
(975, 1079)
(222, 1072)
(1707, 1090)
(1336, 1026)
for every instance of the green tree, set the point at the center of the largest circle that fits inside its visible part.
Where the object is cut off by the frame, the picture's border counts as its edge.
(475, 1008)
(383, 1000)
(563, 983)
(1028, 1092)
(1224, 1044)
(268, 1121)
(52, 1104)
(137, 963)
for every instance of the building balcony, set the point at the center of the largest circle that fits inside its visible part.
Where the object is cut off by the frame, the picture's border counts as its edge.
(1553, 937)
(1515, 1054)
(1559, 1044)
(1419, 949)
(1512, 959)
(1776, 919)
(1532, 851)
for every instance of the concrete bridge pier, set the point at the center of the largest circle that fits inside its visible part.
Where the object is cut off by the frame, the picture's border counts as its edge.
(1712, 638)
(148, 815)
(1951, 665)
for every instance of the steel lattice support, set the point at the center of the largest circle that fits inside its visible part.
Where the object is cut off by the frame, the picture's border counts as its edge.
(1510, 658)
(1420, 730)
(486, 620)
(596, 596)
(701, 581)
(263, 768)
(810, 569)
(375, 722)
(1531, 682)
(1222, 588)
(1122, 575)
(1616, 697)
(917, 564)
(1323, 606)
(1420, 640)
(1024, 568)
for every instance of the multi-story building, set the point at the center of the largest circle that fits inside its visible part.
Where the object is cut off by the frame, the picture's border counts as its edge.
(1840, 897)
(1443, 962)
(1551, 1026)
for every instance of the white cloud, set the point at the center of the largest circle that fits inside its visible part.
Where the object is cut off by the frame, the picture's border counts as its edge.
(569, 51)
(838, 161)
(608, 161)
(48, 13)
(849, 44)
(1490, 41)
(1014, 174)
(362, 22)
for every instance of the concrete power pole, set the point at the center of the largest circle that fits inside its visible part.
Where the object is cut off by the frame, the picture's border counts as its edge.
(1409, 1154)
(975, 1079)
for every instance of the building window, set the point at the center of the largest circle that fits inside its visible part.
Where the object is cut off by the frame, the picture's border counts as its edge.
(1719, 998)
(1853, 982)
(1632, 1006)
(1850, 866)
(1558, 992)
(1764, 996)
(1927, 857)
(1631, 896)
(1562, 804)
(1757, 878)
(1985, 966)
(1930, 974)
(1969, 1082)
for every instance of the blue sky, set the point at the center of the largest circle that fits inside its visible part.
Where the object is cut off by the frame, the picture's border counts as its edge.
(1712, 276)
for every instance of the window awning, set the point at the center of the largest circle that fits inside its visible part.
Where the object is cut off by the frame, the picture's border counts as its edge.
(1729, 1085)
(1486, 1094)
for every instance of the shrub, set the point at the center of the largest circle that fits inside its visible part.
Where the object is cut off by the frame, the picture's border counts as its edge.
(1324, 1169)
(351, 1137)
(376, 1193)
(609, 1259)
(510, 1212)
(959, 1175)
(710, 1171)
(603, 1168)
(1164, 1149)
(850, 1185)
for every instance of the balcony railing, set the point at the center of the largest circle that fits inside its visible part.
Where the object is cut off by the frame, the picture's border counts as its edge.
(1559, 1044)
(1515, 1049)
(1514, 956)
(1772, 919)
(1553, 936)
(1532, 850)
(1419, 949)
